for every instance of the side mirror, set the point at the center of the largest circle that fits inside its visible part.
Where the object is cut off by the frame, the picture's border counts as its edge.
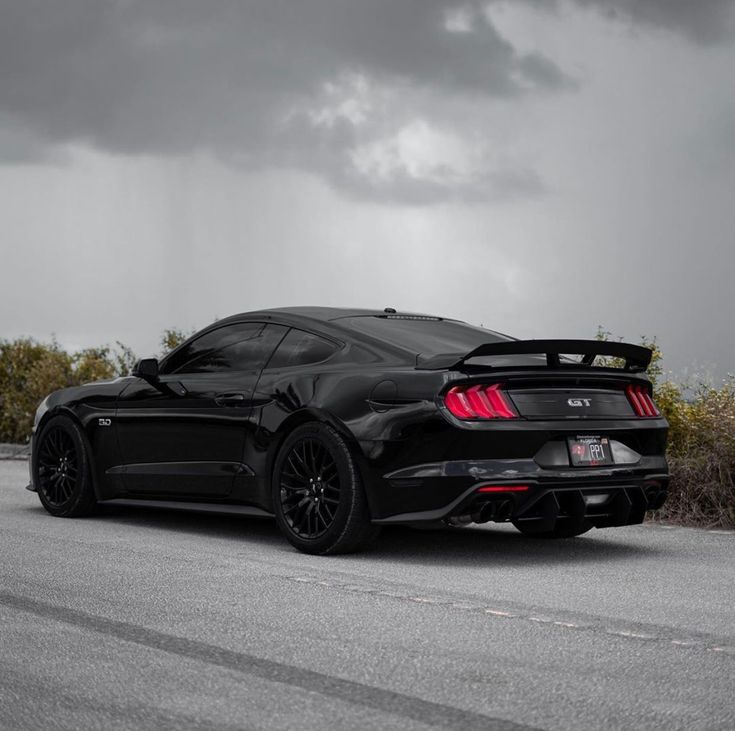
(147, 369)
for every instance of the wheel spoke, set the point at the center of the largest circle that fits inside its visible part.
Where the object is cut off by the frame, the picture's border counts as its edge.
(329, 471)
(297, 458)
(58, 447)
(296, 476)
(306, 461)
(313, 450)
(324, 460)
(297, 466)
(325, 521)
(296, 506)
(303, 517)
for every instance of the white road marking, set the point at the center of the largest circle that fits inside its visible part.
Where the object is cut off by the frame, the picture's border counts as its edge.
(466, 606)
(636, 635)
(494, 612)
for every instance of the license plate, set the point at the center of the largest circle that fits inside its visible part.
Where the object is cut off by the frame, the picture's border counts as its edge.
(590, 451)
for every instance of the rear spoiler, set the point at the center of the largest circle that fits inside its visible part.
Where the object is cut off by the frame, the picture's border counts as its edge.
(636, 357)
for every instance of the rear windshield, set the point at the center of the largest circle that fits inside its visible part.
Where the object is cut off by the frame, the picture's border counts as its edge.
(426, 336)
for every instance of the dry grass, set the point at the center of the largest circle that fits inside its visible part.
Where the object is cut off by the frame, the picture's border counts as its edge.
(701, 454)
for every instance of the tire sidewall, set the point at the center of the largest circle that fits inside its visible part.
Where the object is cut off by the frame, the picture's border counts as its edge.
(83, 493)
(349, 484)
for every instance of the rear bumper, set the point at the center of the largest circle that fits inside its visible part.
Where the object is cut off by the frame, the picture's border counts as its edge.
(602, 496)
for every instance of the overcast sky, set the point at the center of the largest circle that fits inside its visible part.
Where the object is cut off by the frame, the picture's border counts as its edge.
(539, 167)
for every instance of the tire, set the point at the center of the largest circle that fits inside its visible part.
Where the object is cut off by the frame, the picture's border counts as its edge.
(318, 497)
(569, 531)
(61, 469)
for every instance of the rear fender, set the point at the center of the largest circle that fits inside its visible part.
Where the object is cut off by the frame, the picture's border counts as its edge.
(359, 451)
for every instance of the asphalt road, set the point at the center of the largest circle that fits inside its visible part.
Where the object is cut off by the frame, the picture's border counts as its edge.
(143, 618)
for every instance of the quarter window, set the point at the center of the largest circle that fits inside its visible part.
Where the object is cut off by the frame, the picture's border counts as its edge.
(302, 348)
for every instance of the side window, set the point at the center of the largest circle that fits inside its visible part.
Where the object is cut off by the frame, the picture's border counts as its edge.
(239, 347)
(301, 348)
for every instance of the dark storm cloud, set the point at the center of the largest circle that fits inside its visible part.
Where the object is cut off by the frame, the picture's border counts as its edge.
(245, 79)
(237, 78)
(704, 21)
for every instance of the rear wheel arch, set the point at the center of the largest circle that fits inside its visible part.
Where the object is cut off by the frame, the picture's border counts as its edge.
(305, 416)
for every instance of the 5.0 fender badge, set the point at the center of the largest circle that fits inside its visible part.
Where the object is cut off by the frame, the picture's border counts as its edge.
(104, 422)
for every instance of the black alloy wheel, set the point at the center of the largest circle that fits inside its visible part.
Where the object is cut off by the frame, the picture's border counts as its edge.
(309, 489)
(61, 469)
(318, 498)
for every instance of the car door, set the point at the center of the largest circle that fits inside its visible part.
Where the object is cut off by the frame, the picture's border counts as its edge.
(185, 436)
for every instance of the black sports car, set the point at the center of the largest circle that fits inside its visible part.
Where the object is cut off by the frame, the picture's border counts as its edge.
(336, 421)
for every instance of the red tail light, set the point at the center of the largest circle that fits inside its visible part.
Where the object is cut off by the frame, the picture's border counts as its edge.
(503, 488)
(641, 400)
(480, 401)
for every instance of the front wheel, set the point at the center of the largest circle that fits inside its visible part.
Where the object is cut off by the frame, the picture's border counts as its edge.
(62, 471)
(318, 497)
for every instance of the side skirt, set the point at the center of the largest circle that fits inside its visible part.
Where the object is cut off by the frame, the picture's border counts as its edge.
(192, 507)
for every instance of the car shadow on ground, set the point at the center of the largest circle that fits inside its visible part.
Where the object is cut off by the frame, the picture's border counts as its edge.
(501, 545)
(469, 546)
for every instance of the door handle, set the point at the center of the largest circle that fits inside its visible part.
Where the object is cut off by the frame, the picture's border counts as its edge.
(230, 399)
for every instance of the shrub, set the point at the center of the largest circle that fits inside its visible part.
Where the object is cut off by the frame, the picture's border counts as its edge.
(30, 370)
(701, 446)
(701, 454)
(173, 337)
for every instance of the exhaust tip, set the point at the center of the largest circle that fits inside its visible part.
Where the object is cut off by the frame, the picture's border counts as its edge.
(503, 511)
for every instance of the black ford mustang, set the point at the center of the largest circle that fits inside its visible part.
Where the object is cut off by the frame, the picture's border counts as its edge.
(336, 421)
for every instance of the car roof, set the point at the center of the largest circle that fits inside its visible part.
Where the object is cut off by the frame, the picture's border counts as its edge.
(326, 320)
(325, 314)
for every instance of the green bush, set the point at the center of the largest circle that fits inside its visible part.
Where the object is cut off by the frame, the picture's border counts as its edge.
(701, 446)
(173, 337)
(701, 454)
(30, 370)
